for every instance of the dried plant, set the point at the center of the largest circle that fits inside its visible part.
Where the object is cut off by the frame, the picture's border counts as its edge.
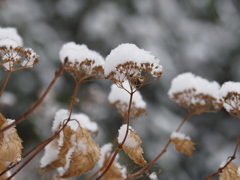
(72, 150)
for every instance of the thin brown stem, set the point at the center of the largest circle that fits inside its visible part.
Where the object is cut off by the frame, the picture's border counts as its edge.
(73, 97)
(5, 82)
(30, 158)
(39, 101)
(230, 159)
(124, 139)
(161, 153)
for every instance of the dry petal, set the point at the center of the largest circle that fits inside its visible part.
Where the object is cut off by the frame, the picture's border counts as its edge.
(185, 145)
(10, 143)
(85, 154)
(230, 172)
(134, 152)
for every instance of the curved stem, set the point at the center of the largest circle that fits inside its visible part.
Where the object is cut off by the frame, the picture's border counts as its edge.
(73, 97)
(124, 139)
(31, 109)
(161, 153)
(230, 159)
(5, 82)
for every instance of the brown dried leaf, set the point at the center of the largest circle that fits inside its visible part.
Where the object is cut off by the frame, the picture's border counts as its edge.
(84, 156)
(10, 143)
(65, 136)
(135, 153)
(115, 171)
(230, 172)
(185, 146)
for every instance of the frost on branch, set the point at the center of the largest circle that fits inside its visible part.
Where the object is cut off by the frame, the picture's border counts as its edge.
(183, 144)
(73, 152)
(128, 62)
(230, 96)
(194, 93)
(119, 98)
(116, 171)
(82, 62)
(12, 55)
(132, 145)
(230, 172)
(10, 143)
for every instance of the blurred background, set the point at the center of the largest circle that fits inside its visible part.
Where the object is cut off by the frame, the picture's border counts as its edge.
(199, 36)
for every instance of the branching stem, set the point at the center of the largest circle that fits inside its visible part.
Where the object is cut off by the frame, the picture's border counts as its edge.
(230, 159)
(39, 101)
(5, 82)
(161, 153)
(124, 139)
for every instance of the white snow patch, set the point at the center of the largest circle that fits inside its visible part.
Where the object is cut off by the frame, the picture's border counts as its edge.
(129, 53)
(10, 37)
(179, 135)
(130, 141)
(186, 81)
(119, 94)
(50, 154)
(79, 53)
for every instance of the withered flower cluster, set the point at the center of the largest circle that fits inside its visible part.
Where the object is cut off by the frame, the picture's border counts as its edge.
(15, 58)
(195, 94)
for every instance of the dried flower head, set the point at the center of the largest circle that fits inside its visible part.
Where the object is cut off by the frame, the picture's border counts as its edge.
(73, 152)
(230, 96)
(119, 98)
(132, 144)
(116, 171)
(128, 62)
(82, 62)
(195, 94)
(12, 56)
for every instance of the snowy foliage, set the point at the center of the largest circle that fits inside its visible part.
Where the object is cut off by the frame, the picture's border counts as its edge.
(122, 95)
(130, 141)
(10, 37)
(79, 53)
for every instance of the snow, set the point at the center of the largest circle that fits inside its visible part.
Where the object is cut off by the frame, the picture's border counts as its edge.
(76, 119)
(62, 170)
(10, 37)
(8, 99)
(226, 88)
(30, 59)
(79, 53)
(129, 53)
(106, 149)
(229, 86)
(153, 176)
(50, 154)
(179, 135)
(119, 94)
(186, 81)
(130, 141)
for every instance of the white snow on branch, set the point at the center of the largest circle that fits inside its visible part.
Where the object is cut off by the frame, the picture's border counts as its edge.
(81, 119)
(129, 53)
(231, 102)
(186, 81)
(79, 53)
(179, 135)
(10, 37)
(119, 94)
(130, 141)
